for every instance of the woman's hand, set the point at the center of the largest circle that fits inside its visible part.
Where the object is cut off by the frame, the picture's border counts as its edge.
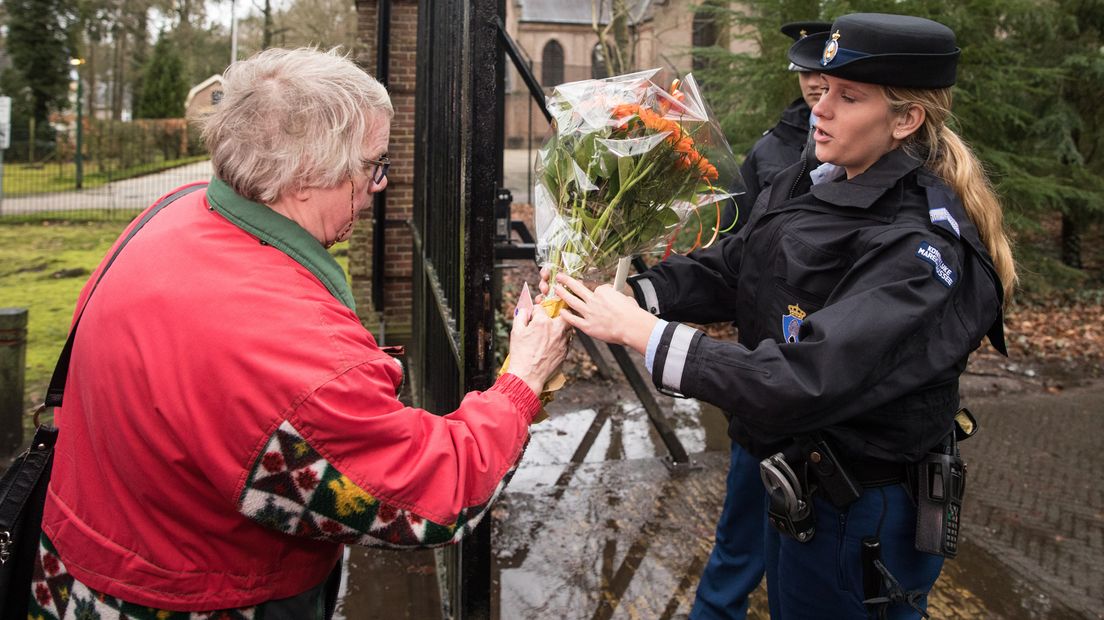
(543, 286)
(604, 313)
(538, 345)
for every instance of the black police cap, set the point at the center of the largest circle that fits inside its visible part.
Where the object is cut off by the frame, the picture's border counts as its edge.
(892, 50)
(800, 30)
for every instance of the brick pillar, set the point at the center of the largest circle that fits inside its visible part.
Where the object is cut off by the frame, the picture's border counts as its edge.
(398, 255)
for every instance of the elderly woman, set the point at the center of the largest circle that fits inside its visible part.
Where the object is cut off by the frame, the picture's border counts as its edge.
(229, 424)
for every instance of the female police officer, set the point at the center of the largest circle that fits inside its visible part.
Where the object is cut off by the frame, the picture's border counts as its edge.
(859, 290)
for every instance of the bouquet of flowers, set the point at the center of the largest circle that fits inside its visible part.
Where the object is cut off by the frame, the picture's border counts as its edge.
(631, 168)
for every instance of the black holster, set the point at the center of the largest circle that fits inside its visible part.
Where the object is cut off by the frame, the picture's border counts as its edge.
(940, 486)
(837, 484)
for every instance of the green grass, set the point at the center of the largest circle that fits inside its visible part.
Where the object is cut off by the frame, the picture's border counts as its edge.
(43, 266)
(26, 179)
(67, 217)
(33, 259)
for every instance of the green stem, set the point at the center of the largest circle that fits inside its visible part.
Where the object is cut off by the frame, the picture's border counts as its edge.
(604, 218)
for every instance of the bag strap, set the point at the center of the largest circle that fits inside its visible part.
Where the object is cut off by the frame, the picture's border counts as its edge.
(20, 481)
(56, 390)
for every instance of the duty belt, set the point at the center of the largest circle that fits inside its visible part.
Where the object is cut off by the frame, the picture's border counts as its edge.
(878, 473)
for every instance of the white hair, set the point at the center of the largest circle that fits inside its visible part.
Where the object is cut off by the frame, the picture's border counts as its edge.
(291, 119)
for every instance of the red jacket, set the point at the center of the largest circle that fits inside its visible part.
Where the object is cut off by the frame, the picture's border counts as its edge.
(228, 422)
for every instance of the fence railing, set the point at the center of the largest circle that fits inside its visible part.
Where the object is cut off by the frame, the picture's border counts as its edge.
(123, 167)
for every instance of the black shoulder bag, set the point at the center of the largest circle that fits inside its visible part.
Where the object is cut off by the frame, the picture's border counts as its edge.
(23, 487)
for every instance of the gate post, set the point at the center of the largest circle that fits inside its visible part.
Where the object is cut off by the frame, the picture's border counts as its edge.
(484, 70)
(457, 171)
(13, 364)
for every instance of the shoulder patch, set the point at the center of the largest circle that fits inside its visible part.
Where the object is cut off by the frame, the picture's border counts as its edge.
(930, 254)
(942, 217)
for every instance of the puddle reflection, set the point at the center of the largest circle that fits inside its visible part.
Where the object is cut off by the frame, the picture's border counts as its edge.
(616, 535)
(594, 526)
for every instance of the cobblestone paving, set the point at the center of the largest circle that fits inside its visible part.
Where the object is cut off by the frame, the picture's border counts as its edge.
(1036, 493)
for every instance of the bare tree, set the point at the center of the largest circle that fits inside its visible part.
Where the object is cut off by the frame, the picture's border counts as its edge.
(617, 36)
(323, 23)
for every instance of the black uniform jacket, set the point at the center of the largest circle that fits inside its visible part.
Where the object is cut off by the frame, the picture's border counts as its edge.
(857, 303)
(777, 150)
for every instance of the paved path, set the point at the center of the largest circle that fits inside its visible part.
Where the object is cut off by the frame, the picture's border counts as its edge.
(1035, 496)
(129, 194)
(516, 173)
(140, 192)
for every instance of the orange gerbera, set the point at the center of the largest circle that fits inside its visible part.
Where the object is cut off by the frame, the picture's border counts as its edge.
(695, 159)
(626, 110)
(682, 143)
(708, 170)
(676, 94)
(657, 123)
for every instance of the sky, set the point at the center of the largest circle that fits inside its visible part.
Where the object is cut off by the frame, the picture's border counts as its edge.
(218, 11)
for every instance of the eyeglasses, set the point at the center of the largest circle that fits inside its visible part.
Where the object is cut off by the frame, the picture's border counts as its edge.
(382, 165)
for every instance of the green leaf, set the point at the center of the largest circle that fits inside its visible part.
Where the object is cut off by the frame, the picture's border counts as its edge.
(584, 152)
(625, 168)
(668, 217)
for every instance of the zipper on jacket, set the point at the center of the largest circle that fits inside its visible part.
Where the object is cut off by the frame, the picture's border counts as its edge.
(804, 169)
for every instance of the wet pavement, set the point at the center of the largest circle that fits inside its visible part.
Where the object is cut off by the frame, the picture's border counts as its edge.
(596, 526)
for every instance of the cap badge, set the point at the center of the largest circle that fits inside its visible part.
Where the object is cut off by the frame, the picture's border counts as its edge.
(804, 33)
(830, 49)
(791, 323)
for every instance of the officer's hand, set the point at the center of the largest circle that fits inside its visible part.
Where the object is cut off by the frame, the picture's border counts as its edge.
(604, 313)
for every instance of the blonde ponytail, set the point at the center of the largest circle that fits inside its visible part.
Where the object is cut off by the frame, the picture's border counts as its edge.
(952, 160)
(958, 166)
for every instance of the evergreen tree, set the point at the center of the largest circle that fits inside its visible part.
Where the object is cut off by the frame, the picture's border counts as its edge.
(163, 85)
(40, 44)
(1066, 40)
(748, 90)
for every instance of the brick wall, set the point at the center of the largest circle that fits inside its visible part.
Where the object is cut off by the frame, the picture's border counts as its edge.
(398, 248)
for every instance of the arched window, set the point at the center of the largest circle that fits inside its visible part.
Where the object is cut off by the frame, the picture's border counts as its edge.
(552, 64)
(598, 67)
(707, 33)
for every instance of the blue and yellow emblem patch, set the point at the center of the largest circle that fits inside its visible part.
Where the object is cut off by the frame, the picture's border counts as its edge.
(791, 323)
(831, 48)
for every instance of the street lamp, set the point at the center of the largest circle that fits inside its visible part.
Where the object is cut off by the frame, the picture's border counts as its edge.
(76, 63)
(233, 33)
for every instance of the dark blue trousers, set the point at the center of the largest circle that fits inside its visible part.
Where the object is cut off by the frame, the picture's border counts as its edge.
(823, 577)
(736, 563)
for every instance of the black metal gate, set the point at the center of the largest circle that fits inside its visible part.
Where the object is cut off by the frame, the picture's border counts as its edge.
(458, 166)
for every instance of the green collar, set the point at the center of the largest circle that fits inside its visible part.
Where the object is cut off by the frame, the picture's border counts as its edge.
(283, 234)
